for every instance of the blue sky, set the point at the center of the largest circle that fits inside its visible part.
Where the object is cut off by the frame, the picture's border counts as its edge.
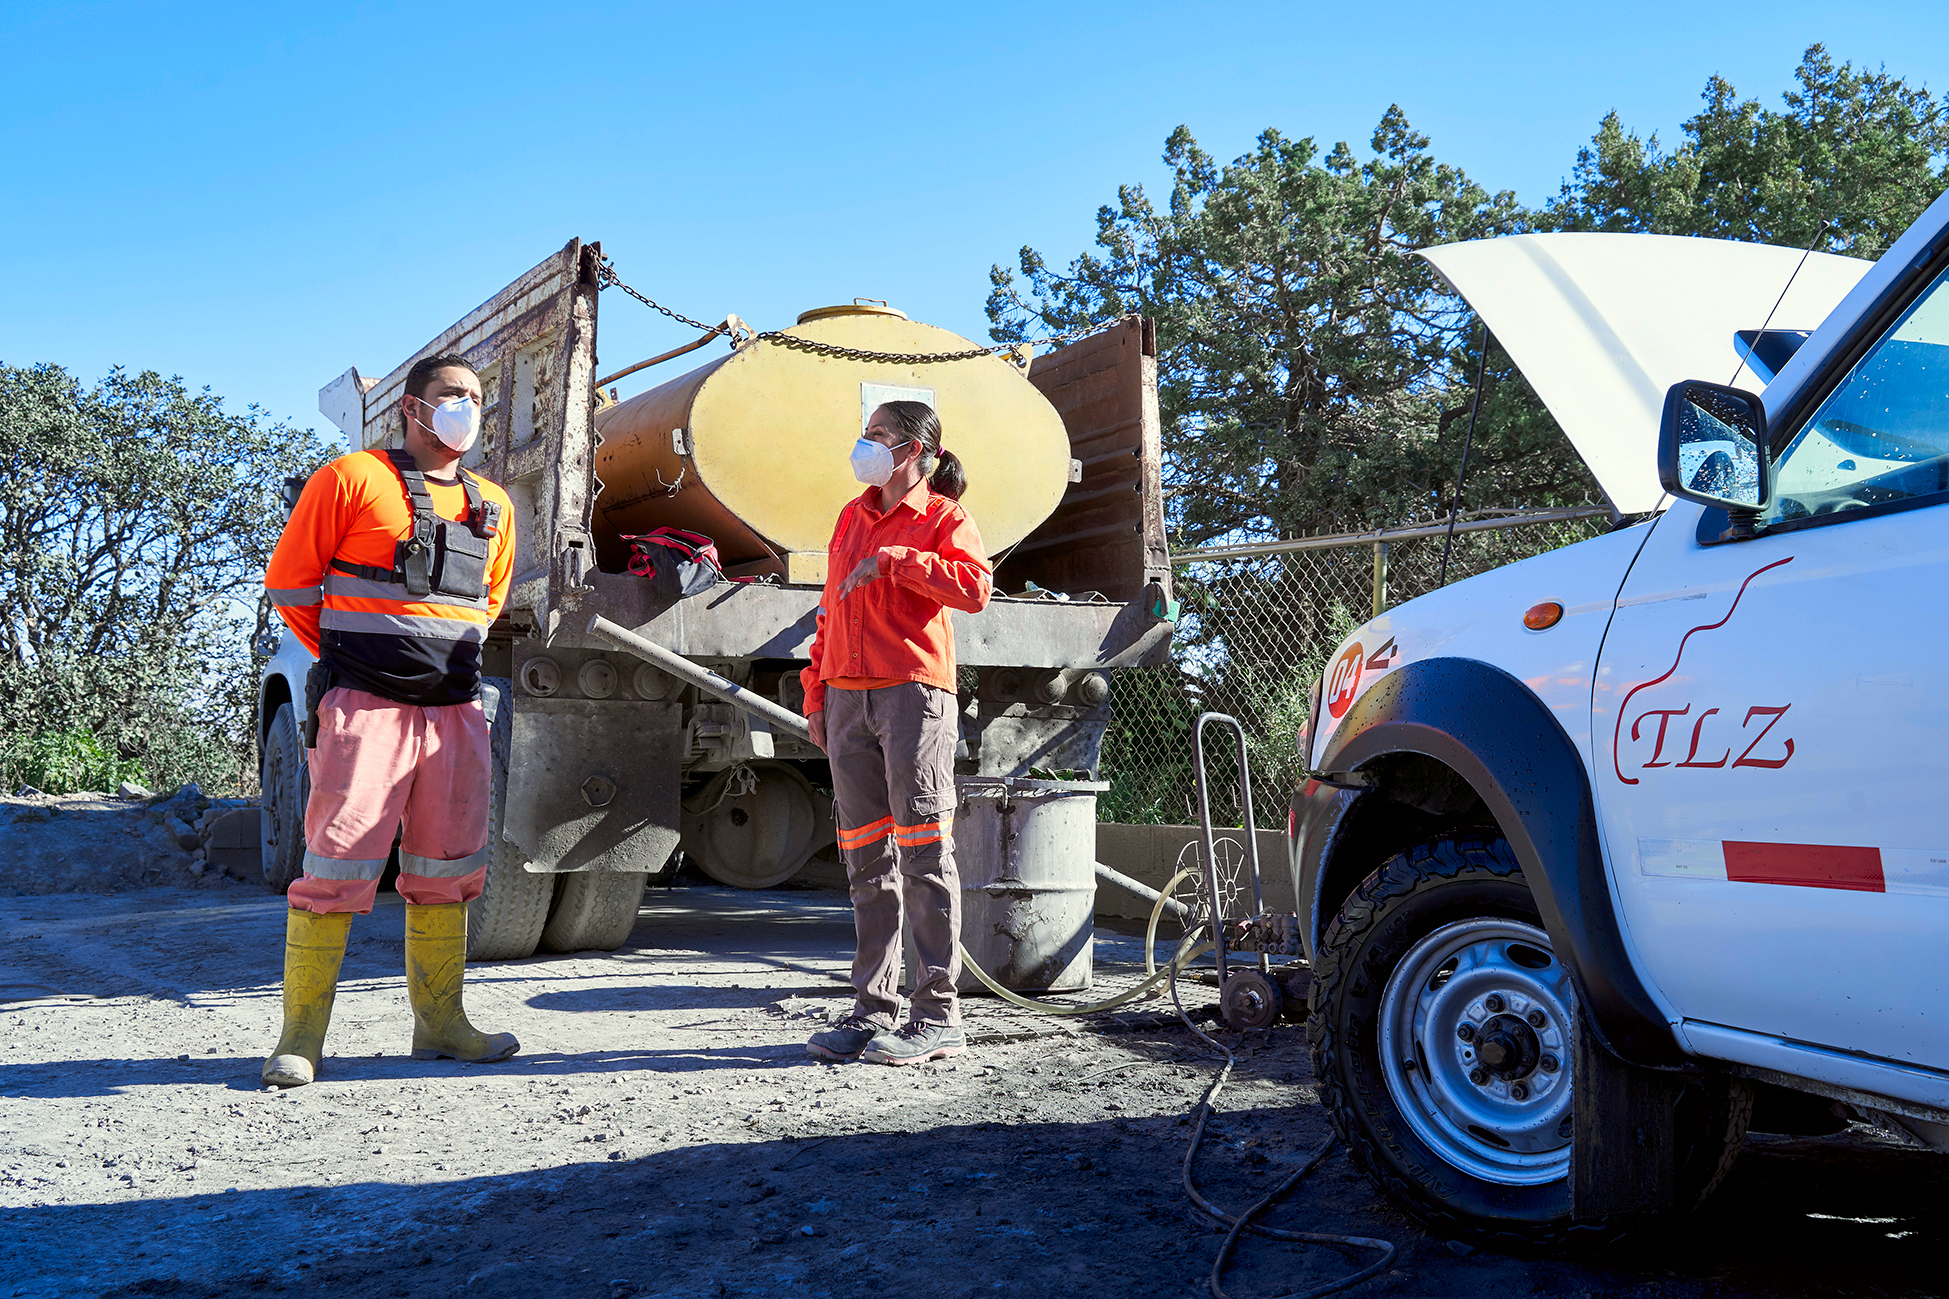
(255, 198)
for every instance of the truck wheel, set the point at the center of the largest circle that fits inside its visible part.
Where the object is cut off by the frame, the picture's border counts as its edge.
(505, 922)
(759, 837)
(594, 911)
(287, 788)
(1443, 1029)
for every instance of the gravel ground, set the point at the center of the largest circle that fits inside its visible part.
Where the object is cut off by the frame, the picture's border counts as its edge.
(663, 1133)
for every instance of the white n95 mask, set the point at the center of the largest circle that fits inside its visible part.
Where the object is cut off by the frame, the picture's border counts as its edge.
(455, 423)
(872, 463)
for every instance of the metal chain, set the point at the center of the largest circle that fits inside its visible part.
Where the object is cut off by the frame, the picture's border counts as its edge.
(606, 276)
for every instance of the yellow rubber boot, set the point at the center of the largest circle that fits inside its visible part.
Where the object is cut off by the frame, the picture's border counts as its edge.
(314, 946)
(436, 959)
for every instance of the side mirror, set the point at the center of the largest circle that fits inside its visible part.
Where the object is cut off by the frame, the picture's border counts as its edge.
(1712, 447)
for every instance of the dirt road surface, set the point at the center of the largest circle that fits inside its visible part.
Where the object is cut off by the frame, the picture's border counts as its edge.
(663, 1133)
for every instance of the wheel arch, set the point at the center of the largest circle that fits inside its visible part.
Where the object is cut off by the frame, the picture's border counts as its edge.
(272, 693)
(1449, 743)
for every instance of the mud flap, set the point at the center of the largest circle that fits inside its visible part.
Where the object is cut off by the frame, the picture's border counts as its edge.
(1624, 1156)
(593, 785)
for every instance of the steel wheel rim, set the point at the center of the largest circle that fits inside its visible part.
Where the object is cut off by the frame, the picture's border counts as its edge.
(1513, 1126)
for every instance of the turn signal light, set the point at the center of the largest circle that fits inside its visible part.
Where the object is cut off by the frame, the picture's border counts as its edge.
(1542, 617)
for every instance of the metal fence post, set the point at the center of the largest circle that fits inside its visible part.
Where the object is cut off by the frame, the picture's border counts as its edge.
(1380, 578)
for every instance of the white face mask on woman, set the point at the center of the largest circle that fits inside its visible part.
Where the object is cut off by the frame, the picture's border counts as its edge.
(455, 423)
(873, 463)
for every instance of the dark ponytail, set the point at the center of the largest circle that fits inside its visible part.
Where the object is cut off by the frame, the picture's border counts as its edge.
(918, 422)
(949, 479)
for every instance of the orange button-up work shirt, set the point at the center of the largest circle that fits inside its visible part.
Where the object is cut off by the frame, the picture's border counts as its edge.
(896, 629)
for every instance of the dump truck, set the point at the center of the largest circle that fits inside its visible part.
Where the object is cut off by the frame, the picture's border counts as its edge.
(606, 766)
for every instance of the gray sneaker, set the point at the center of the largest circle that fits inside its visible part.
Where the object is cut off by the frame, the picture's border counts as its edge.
(916, 1043)
(843, 1041)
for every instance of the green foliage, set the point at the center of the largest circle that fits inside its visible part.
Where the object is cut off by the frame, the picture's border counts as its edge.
(135, 521)
(1860, 148)
(1314, 372)
(67, 762)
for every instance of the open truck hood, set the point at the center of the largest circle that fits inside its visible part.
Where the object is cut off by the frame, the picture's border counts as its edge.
(1603, 324)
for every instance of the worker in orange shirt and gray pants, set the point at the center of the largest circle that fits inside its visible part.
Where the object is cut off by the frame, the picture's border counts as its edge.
(390, 570)
(881, 698)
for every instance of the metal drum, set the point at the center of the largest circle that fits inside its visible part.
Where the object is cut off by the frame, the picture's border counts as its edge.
(1026, 851)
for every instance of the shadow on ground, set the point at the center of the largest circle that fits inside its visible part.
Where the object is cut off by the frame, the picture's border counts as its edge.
(984, 1209)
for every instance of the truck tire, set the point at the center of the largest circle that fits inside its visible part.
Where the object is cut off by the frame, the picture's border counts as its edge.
(594, 911)
(505, 922)
(1442, 1030)
(287, 788)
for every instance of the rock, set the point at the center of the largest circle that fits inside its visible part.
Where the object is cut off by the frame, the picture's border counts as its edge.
(185, 837)
(28, 791)
(196, 866)
(617, 1154)
(129, 789)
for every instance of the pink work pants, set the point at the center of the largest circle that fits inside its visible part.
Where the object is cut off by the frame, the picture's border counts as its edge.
(379, 763)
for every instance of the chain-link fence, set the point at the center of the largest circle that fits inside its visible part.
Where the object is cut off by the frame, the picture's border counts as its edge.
(1257, 625)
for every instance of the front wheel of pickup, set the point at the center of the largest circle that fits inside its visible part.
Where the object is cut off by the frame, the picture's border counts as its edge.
(1443, 1033)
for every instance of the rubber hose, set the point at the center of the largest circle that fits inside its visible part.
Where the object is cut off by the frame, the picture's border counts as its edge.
(1243, 1222)
(1178, 962)
(1157, 910)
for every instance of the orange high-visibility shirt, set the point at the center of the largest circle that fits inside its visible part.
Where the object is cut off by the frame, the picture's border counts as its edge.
(374, 635)
(896, 628)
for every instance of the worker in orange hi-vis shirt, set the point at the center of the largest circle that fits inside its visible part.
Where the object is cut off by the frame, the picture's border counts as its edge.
(390, 570)
(880, 700)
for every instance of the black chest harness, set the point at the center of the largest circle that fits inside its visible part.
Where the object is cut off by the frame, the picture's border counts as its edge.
(441, 556)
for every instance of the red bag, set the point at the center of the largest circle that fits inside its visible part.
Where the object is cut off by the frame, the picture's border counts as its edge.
(680, 563)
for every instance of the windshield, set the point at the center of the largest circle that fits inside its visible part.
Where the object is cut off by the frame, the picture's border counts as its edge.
(1883, 435)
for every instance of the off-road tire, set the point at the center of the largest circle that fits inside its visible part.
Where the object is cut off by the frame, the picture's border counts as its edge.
(286, 781)
(594, 911)
(1417, 892)
(506, 921)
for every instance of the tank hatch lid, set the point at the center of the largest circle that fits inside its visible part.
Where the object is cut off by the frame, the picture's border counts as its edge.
(857, 307)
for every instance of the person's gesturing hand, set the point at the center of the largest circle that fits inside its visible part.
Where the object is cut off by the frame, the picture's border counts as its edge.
(816, 723)
(866, 571)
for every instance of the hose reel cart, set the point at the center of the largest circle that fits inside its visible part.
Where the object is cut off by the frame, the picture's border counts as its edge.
(1254, 994)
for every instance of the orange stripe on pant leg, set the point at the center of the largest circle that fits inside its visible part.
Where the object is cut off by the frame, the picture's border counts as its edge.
(859, 836)
(912, 836)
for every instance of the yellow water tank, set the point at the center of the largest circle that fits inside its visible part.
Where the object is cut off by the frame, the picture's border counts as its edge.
(752, 450)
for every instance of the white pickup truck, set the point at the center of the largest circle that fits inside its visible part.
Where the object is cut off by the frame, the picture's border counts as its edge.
(1611, 854)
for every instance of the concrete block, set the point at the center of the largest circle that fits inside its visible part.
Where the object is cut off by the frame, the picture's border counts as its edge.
(233, 828)
(1149, 854)
(244, 863)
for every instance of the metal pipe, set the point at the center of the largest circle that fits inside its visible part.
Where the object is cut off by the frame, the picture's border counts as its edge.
(660, 358)
(780, 718)
(1380, 578)
(1144, 891)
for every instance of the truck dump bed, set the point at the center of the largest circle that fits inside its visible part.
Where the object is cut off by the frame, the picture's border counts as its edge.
(606, 750)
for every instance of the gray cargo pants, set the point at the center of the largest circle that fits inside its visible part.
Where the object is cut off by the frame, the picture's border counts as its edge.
(892, 752)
